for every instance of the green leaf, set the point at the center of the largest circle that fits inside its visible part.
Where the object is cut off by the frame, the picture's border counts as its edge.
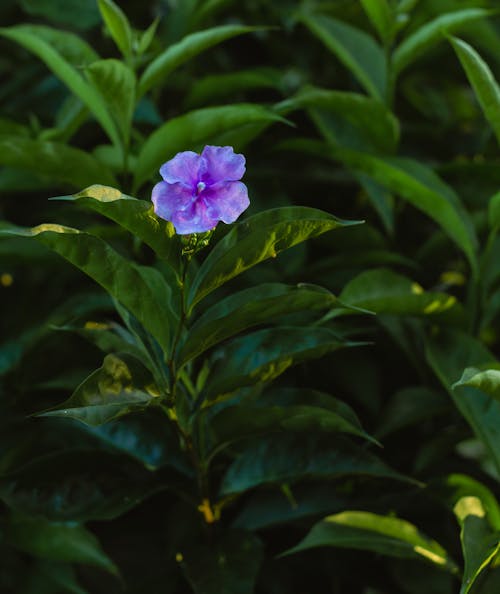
(116, 83)
(120, 386)
(384, 291)
(385, 535)
(258, 238)
(227, 566)
(137, 216)
(60, 163)
(72, 13)
(358, 51)
(184, 50)
(67, 542)
(449, 353)
(480, 543)
(289, 458)
(146, 38)
(422, 188)
(140, 289)
(494, 212)
(487, 380)
(287, 409)
(67, 73)
(374, 125)
(432, 33)
(118, 25)
(264, 355)
(251, 307)
(483, 82)
(193, 130)
(381, 15)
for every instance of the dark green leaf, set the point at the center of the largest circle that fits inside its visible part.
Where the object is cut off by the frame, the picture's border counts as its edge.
(120, 386)
(256, 239)
(385, 535)
(289, 458)
(251, 307)
(184, 50)
(494, 212)
(193, 130)
(381, 15)
(73, 13)
(118, 25)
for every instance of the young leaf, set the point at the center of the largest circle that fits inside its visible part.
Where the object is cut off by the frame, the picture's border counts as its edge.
(194, 129)
(482, 80)
(184, 50)
(251, 307)
(381, 15)
(116, 83)
(147, 36)
(258, 238)
(67, 73)
(289, 458)
(140, 289)
(372, 532)
(264, 355)
(358, 51)
(488, 381)
(137, 216)
(120, 386)
(118, 25)
(61, 163)
(432, 33)
(480, 542)
(68, 542)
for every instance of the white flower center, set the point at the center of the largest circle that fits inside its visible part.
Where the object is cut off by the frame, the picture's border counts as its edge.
(200, 187)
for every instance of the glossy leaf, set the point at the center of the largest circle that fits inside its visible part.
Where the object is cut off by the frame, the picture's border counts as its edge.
(381, 15)
(480, 543)
(256, 239)
(483, 82)
(449, 353)
(184, 50)
(194, 129)
(137, 216)
(67, 542)
(432, 33)
(251, 307)
(61, 163)
(140, 289)
(422, 188)
(384, 291)
(116, 83)
(290, 458)
(358, 51)
(117, 24)
(67, 73)
(264, 355)
(120, 386)
(385, 535)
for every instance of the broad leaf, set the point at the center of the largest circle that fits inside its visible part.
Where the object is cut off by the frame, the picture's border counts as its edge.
(290, 458)
(141, 289)
(258, 238)
(61, 163)
(137, 216)
(184, 50)
(385, 535)
(251, 307)
(486, 380)
(358, 51)
(432, 33)
(483, 82)
(384, 291)
(118, 25)
(120, 386)
(264, 355)
(480, 542)
(69, 542)
(193, 130)
(381, 15)
(67, 73)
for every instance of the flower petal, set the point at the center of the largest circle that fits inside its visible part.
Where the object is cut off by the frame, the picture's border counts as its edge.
(185, 167)
(222, 164)
(171, 198)
(195, 219)
(226, 200)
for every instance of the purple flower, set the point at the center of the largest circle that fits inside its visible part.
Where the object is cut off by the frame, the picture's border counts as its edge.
(198, 191)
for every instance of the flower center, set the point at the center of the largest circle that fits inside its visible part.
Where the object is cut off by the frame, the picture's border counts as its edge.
(200, 186)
